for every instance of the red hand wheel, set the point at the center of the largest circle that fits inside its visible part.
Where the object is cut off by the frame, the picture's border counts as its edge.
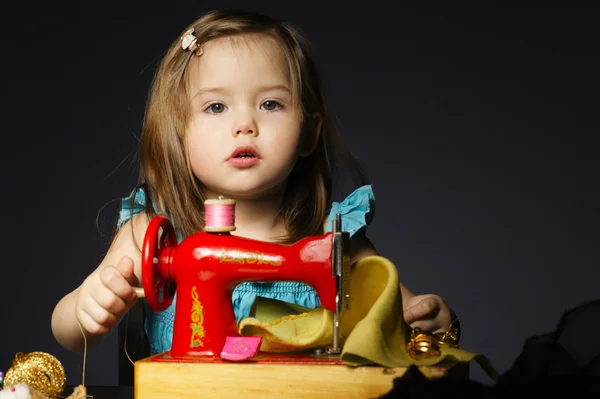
(158, 289)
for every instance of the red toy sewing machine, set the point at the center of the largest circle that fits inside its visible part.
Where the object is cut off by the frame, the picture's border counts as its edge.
(205, 268)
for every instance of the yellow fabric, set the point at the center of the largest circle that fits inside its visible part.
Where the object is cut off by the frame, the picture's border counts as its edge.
(372, 329)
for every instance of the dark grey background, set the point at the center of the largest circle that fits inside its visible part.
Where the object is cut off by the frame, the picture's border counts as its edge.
(477, 126)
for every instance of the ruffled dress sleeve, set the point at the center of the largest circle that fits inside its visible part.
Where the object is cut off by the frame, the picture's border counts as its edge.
(357, 210)
(131, 206)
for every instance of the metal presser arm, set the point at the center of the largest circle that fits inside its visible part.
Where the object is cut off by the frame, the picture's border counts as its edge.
(341, 270)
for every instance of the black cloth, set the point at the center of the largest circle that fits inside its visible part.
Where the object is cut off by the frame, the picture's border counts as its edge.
(565, 362)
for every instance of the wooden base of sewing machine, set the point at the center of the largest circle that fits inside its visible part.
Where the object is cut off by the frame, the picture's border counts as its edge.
(267, 376)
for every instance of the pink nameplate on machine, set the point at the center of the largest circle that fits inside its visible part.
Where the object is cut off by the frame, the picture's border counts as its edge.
(240, 348)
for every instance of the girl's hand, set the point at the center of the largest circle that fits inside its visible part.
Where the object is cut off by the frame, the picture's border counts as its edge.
(428, 312)
(105, 296)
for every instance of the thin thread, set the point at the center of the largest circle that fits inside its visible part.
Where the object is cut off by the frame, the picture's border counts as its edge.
(220, 215)
(125, 341)
(84, 352)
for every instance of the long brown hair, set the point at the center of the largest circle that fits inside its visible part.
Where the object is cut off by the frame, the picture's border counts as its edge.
(165, 174)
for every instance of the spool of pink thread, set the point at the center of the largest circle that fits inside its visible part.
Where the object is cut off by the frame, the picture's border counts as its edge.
(219, 215)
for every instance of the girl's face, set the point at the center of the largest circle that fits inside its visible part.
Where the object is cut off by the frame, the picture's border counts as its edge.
(244, 136)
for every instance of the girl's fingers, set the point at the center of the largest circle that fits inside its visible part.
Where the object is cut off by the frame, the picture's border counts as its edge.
(427, 308)
(111, 278)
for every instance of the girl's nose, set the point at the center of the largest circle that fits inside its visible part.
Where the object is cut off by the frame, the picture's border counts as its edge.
(245, 125)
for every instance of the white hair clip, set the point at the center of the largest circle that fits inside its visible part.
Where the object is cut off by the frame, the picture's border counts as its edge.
(190, 43)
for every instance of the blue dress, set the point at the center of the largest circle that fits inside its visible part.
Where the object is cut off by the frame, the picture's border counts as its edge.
(357, 211)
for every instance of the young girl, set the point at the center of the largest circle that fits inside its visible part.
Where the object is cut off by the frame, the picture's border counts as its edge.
(236, 109)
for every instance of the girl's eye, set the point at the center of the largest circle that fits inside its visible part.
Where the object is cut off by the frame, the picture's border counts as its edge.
(270, 105)
(215, 108)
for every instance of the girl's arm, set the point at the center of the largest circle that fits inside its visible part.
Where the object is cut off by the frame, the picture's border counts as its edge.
(428, 311)
(106, 294)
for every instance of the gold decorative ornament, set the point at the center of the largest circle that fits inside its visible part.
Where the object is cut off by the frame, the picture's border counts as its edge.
(41, 371)
(424, 344)
(450, 338)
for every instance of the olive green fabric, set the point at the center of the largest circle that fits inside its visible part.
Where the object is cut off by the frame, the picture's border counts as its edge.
(372, 329)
